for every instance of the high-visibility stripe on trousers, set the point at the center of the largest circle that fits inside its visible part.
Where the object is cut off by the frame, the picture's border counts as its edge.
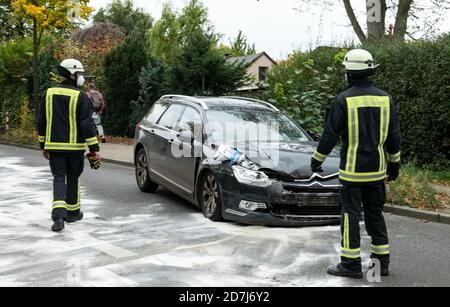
(380, 250)
(354, 200)
(66, 169)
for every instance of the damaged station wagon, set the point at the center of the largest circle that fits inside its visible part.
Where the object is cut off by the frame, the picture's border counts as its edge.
(238, 159)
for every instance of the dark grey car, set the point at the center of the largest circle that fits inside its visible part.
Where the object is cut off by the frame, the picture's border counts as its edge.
(184, 144)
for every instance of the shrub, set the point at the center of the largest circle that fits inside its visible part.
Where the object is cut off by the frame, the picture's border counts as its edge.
(417, 76)
(122, 68)
(150, 90)
(23, 132)
(305, 84)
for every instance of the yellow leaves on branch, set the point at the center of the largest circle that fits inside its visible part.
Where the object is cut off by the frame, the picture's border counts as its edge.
(50, 14)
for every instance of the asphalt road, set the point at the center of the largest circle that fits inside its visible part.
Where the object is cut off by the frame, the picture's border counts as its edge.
(133, 239)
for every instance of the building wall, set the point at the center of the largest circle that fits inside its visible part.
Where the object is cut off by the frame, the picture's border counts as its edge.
(253, 70)
(261, 62)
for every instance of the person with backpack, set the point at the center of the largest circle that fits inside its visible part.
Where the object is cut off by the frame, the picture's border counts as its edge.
(98, 106)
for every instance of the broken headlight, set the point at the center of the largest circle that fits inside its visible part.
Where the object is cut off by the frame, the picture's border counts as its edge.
(251, 177)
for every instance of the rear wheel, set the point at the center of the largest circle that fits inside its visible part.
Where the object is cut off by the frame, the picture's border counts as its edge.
(142, 173)
(210, 198)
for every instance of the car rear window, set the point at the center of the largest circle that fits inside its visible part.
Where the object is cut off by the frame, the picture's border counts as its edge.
(155, 112)
(171, 116)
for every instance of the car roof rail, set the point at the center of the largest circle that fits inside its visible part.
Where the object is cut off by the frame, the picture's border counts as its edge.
(188, 98)
(267, 104)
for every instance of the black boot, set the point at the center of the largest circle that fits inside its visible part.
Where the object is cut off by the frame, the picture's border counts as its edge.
(58, 225)
(75, 217)
(341, 271)
(384, 263)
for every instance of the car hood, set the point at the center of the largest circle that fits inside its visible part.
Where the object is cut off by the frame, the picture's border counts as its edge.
(288, 160)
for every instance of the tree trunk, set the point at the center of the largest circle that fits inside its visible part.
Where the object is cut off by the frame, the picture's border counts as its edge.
(35, 71)
(376, 19)
(203, 84)
(401, 21)
(355, 24)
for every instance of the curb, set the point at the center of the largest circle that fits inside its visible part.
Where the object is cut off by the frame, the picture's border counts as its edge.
(430, 216)
(31, 147)
(117, 162)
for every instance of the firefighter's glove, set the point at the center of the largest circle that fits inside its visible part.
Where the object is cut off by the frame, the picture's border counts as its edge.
(316, 166)
(393, 170)
(94, 160)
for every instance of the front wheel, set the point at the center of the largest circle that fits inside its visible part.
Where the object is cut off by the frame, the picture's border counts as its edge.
(210, 200)
(142, 173)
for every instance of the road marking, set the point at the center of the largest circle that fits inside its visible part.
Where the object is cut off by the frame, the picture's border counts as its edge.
(204, 244)
(84, 240)
(109, 249)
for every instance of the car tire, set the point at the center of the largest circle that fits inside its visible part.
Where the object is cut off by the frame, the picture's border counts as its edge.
(211, 198)
(143, 180)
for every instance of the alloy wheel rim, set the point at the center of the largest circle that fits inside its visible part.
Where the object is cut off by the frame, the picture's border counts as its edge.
(142, 169)
(210, 196)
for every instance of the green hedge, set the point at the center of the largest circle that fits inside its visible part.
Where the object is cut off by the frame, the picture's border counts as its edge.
(417, 74)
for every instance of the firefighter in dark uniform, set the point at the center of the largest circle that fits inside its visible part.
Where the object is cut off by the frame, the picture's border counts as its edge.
(365, 121)
(65, 129)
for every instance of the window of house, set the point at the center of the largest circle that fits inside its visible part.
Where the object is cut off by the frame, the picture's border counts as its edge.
(263, 73)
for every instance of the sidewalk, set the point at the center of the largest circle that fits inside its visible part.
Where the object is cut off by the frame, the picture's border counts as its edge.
(117, 153)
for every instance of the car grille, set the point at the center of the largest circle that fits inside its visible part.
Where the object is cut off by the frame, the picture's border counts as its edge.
(316, 190)
(305, 210)
(307, 204)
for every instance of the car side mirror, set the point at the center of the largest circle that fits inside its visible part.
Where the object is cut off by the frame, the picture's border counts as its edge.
(186, 137)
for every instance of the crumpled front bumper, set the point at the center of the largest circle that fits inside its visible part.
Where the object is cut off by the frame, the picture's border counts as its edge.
(287, 207)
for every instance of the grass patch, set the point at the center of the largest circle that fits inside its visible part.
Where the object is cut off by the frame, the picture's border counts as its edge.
(414, 189)
(441, 177)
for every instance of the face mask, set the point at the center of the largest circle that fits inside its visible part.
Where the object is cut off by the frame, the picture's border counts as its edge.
(80, 81)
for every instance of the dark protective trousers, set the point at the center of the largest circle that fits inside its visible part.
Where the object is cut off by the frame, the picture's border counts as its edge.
(66, 169)
(371, 199)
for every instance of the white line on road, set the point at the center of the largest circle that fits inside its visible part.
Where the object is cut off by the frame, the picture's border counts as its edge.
(104, 247)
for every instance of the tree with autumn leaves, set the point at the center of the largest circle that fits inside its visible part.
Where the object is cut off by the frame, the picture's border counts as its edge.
(51, 16)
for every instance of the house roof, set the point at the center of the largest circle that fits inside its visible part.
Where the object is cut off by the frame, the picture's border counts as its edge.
(248, 59)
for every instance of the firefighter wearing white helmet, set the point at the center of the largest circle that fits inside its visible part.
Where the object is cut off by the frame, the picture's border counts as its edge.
(364, 119)
(72, 68)
(65, 130)
(359, 60)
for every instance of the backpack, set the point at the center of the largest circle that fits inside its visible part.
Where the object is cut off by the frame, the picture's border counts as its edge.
(96, 99)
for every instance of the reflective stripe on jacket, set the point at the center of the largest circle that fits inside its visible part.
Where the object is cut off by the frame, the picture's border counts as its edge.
(365, 120)
(65, 122)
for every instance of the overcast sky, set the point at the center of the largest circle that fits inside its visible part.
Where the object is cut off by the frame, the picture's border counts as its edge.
(273, 25)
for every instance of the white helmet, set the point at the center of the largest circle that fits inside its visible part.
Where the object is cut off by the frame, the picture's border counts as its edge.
(73, 66)
(359, 60)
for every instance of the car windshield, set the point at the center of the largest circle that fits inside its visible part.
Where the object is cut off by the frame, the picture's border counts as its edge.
(237, 125)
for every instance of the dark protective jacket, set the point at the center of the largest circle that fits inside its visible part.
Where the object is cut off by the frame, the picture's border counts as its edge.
(65, 120)
(365, 120)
